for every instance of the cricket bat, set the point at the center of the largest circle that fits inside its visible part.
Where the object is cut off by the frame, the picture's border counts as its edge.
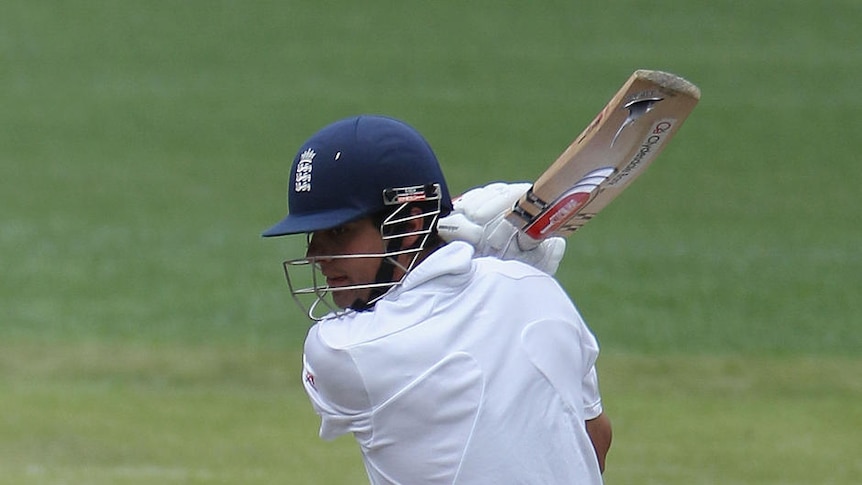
(620, 143)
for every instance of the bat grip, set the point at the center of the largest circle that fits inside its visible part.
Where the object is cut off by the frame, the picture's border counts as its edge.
(529, 200)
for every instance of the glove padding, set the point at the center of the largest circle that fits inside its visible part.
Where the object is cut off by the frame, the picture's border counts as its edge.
(478, 218)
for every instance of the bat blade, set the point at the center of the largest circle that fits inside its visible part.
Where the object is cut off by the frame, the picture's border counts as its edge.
(620, 143)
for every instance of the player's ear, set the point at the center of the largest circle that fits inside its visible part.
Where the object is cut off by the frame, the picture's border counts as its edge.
(408, 232)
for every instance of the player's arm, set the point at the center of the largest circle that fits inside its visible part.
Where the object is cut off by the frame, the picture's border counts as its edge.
(599, 429)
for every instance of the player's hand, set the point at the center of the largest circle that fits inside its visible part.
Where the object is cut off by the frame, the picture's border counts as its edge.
(478, 218)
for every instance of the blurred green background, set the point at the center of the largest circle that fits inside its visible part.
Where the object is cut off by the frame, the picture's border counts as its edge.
(146, 332)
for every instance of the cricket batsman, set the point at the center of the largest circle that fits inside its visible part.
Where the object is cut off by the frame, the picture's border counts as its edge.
(460, 362)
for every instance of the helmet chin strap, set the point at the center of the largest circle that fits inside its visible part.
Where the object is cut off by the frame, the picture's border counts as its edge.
(385, 273)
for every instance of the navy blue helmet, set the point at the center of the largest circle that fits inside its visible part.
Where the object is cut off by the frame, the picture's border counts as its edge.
(343, 172)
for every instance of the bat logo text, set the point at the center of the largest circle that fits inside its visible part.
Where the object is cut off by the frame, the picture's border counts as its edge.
(648, 149)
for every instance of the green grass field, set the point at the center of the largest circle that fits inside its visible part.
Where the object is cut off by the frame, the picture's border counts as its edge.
(146, 332)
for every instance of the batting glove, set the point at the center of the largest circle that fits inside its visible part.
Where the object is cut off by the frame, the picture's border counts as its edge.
(478, 218)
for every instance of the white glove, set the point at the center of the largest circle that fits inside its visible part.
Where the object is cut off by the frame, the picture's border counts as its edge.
(478, 218)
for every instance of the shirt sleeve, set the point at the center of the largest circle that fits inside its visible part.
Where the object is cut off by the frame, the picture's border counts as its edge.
(590, 382)
(592, 397)
(335, 387)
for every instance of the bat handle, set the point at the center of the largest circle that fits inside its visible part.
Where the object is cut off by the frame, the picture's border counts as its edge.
(522, 207)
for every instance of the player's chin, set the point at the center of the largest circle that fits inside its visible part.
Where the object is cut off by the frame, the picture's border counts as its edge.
(344, 299)
(355, 299)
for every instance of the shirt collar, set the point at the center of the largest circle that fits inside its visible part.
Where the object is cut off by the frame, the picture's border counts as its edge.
(453, 258)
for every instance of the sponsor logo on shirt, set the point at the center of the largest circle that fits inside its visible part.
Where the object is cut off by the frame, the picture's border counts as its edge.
(309, 378)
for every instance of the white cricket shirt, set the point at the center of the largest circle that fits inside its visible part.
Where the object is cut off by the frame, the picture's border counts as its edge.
(472, 371)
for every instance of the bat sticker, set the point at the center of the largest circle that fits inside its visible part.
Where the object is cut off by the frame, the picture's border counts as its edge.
(639, 105)
(561, 210)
